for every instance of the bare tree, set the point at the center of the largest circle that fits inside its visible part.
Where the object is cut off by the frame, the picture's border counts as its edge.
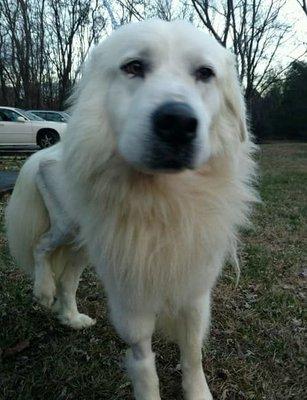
(22, 61)
(164, 9)
(42, 46)
(3, 50)
(43, 43)
(114, 21)
(303, 4)
(68, 17)
(207, 11)
(252, 29)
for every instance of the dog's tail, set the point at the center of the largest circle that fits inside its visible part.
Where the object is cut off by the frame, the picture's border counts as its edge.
(26, 215)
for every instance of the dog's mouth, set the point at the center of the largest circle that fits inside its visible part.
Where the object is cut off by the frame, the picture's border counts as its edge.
(166, 158)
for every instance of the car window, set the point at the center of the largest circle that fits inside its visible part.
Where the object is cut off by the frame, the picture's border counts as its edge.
(65, 115)
(54, 117)
(37, 113)
(40, 114)
(9, 115)
(29, 115)
(32, 116)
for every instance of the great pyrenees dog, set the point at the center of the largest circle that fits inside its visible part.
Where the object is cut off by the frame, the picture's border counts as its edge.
(151, 184)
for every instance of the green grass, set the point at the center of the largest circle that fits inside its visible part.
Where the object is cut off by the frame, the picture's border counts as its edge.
(256, 346)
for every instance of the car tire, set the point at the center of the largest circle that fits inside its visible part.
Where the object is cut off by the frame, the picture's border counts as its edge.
(47, 138)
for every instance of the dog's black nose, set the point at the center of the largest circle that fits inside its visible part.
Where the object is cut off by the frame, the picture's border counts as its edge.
(175, 123)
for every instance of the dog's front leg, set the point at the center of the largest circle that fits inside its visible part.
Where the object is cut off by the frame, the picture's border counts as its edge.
(136, 327)
(140, 363)
(192, 324)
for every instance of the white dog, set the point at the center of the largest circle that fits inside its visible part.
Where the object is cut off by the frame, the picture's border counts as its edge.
(152, 181)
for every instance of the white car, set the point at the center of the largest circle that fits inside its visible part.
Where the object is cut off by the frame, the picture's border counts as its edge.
(19, 128)
(56, 116)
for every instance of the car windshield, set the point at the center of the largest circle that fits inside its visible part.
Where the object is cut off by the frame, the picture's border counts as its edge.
(29, 115)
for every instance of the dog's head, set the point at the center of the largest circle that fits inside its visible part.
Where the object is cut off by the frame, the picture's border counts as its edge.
(162, 95)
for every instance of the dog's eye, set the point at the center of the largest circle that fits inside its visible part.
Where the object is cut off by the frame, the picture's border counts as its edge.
(135, 68)
(204, 74)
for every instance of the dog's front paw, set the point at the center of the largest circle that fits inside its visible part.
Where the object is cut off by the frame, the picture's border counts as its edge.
(77, 321)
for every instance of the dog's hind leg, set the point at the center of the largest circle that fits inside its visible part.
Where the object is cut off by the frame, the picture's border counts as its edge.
(66, 286)
(191, 327)
(59, 233)
(44, 282)
(58, 264)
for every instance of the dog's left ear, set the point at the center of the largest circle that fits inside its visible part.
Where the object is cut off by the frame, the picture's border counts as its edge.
(234, 99)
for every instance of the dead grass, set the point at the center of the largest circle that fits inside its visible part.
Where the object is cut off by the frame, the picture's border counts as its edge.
(256, 346)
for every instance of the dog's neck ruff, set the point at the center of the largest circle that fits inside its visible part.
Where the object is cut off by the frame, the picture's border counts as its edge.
(155, 230)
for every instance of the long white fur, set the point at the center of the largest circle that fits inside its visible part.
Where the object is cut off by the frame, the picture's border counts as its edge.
(157, 240)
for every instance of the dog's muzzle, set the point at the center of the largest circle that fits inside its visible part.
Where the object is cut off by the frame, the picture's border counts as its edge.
(174, 126)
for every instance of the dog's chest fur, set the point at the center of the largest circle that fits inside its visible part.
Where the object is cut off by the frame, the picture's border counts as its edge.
(161, 231)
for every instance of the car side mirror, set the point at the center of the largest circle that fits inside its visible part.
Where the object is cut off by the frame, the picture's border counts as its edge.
(21, 119)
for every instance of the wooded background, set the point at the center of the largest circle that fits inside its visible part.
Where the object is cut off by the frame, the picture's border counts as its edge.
(43, 44)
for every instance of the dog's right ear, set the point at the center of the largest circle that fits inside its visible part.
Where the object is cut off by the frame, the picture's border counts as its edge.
(234, 100)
